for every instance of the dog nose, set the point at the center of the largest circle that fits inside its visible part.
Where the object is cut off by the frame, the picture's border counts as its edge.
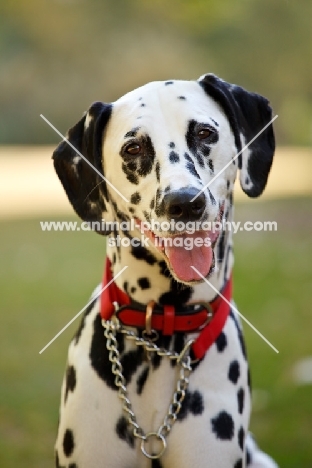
(179, 206)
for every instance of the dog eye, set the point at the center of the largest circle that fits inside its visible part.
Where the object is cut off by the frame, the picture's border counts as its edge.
(204, 133)
(133, 149)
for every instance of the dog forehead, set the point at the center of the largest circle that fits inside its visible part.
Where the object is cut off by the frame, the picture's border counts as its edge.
(162, 104)
(159, 89)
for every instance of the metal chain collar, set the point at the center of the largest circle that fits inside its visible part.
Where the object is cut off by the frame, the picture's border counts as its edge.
(112, 327)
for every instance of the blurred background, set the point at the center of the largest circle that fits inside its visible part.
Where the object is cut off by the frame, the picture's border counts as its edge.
(56, 58)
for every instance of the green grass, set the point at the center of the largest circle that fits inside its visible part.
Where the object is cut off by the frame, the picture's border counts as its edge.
(46, 278)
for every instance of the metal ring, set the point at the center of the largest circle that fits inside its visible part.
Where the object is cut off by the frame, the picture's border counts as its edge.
(153, 336)
(210, 314)
(160, 438)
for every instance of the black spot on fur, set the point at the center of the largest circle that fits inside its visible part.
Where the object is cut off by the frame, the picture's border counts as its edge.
(141, 380)
(132, 133)
(57, 460)
(68, 442)
(239, 463)
(190, 166)
(159, 206)
(216, 123)
(188, 157)
(147, 162)
(167, 189)
(185, 406)
(133, 289)
(193, 403)
(183, 98)
(221, 342)
(240, 335)
(164, 270)
(221, 246)
(197, 403)
(249, 380)
(152, 204)
(99, 357)
(157, 169)
(171, 145)
(131, 210)
(248, 457)
(223, 426)
(120, 215)
(132, 166)
(212, 198)
(156, 360)
(135, 198)
(70, 381)
(200, 160)
(144, 283)
(247, 180)
(230, 198)
(210, 164)
(156, 464)
(126, 286)
(141, 253)
(168, 83)
(142, 105)
(241, 438)
(123, 431)
(158, 195)
(234, 372)
(130, 361)
(174, 157)
(177, 295)
(83, 321)
(147, 216)
(133, 178)
(206, 150)
(178, 343)
(240, 400)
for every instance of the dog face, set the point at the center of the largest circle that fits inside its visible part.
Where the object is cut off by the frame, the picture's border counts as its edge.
(170, 148)
(173, 137)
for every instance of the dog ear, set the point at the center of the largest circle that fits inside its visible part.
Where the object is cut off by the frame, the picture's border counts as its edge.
(84, 186)
(247, 113)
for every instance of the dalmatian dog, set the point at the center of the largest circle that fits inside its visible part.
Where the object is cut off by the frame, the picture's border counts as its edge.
(167, 153)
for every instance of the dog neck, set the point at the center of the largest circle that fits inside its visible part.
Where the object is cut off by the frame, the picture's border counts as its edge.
(147, 276)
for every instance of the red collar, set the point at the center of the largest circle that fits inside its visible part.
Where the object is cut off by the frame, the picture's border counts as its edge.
(207, 318)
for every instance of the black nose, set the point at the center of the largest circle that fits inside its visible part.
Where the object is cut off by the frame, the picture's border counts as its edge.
(179, 206)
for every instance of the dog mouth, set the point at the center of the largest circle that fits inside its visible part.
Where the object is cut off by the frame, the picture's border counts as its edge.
(186, 250)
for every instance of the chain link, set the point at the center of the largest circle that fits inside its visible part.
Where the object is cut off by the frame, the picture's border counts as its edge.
(111, 328)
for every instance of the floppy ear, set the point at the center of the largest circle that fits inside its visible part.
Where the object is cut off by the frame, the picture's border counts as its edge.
(84, 186)
(247, 113)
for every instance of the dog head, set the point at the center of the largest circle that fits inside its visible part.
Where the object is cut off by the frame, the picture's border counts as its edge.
(168, 151)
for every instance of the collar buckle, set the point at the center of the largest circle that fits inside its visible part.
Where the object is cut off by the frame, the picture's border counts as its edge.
(209, 309)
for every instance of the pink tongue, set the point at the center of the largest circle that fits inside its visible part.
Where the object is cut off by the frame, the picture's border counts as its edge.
(181, 259)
